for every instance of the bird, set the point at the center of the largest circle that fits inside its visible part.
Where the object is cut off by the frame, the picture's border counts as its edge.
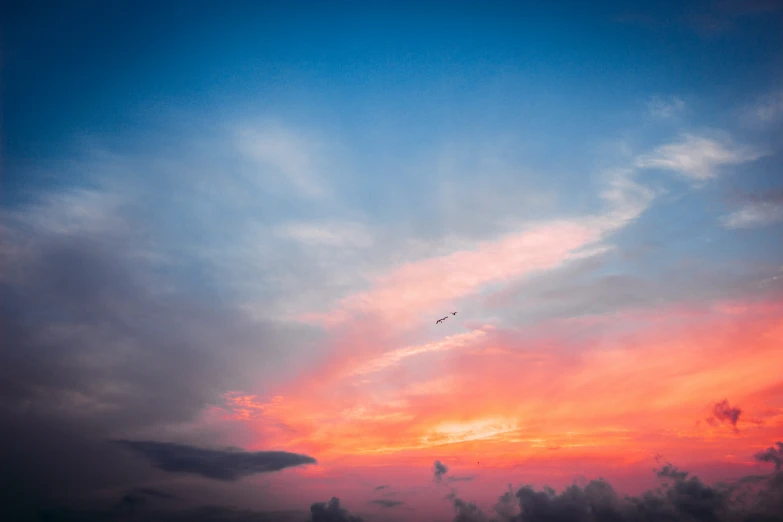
(453, 313)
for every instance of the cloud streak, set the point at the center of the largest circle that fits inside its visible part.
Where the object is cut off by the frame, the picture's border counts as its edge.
(215, 464)
(697, 158)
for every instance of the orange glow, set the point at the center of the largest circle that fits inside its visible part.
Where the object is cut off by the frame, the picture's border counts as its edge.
(509, 397)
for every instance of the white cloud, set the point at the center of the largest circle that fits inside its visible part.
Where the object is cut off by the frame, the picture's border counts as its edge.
(288, 155)
(754, 215)
(696, 157)
(662, 108)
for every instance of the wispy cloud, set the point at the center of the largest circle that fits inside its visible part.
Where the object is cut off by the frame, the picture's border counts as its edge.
(335, 234)
(665, 108)
(756, 210)
(392, 358)
(698, 158)
(279, 152)
(767, 109)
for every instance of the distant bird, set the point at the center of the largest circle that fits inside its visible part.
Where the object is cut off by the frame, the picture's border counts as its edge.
(453, 313)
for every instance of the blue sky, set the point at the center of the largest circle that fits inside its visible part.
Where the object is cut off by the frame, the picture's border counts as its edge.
(274, 190)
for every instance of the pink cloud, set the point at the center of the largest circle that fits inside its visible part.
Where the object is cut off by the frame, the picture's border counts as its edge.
(408, 291)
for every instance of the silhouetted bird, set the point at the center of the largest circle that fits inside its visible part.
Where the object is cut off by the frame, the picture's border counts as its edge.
(453, 313)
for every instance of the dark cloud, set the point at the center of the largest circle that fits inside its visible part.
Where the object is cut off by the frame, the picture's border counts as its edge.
(101, 340)
(331, 512)
(439, 469)
(198, 514)
(387, 503)
(468, 512)
(680, 499)
(133, 500)
(669, 471)
(772, 455)
(381, 487)
(216, 464)
(723, 413)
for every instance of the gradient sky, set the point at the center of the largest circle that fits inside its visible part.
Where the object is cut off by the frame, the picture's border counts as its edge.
(234, 225)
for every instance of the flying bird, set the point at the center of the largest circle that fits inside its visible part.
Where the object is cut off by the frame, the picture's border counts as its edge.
(453, 313)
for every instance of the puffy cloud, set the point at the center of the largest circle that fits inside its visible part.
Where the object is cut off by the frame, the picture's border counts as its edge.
(439, 470)
(724, 413)
(773, 455)
(680, 499)
(331, 512)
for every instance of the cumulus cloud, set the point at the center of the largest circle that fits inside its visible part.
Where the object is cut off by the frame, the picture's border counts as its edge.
(214, 464)
(773, 455)
(439, 469)
(697, 158)
(679, 499)
(331, 512)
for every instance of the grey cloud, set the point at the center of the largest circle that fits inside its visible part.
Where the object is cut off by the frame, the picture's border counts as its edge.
(724, 413)
(381, 487)
(214, 464)
(669, 471)
(102, 341)
(754, 210)
(331, 512)
(198, 514)
(637, 271)
(773, 455)
(388, 503)
(439, 469)
(754, 499)
(136, 498)
(468, 512)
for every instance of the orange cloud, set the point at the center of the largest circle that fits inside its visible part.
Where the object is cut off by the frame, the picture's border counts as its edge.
(638, 383)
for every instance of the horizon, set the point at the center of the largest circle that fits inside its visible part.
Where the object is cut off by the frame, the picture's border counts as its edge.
(392, 261)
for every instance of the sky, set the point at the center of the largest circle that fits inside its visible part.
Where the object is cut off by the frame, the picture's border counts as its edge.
(229, 230)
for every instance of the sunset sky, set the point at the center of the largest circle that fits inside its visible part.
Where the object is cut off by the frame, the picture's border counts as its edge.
(229, 228)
